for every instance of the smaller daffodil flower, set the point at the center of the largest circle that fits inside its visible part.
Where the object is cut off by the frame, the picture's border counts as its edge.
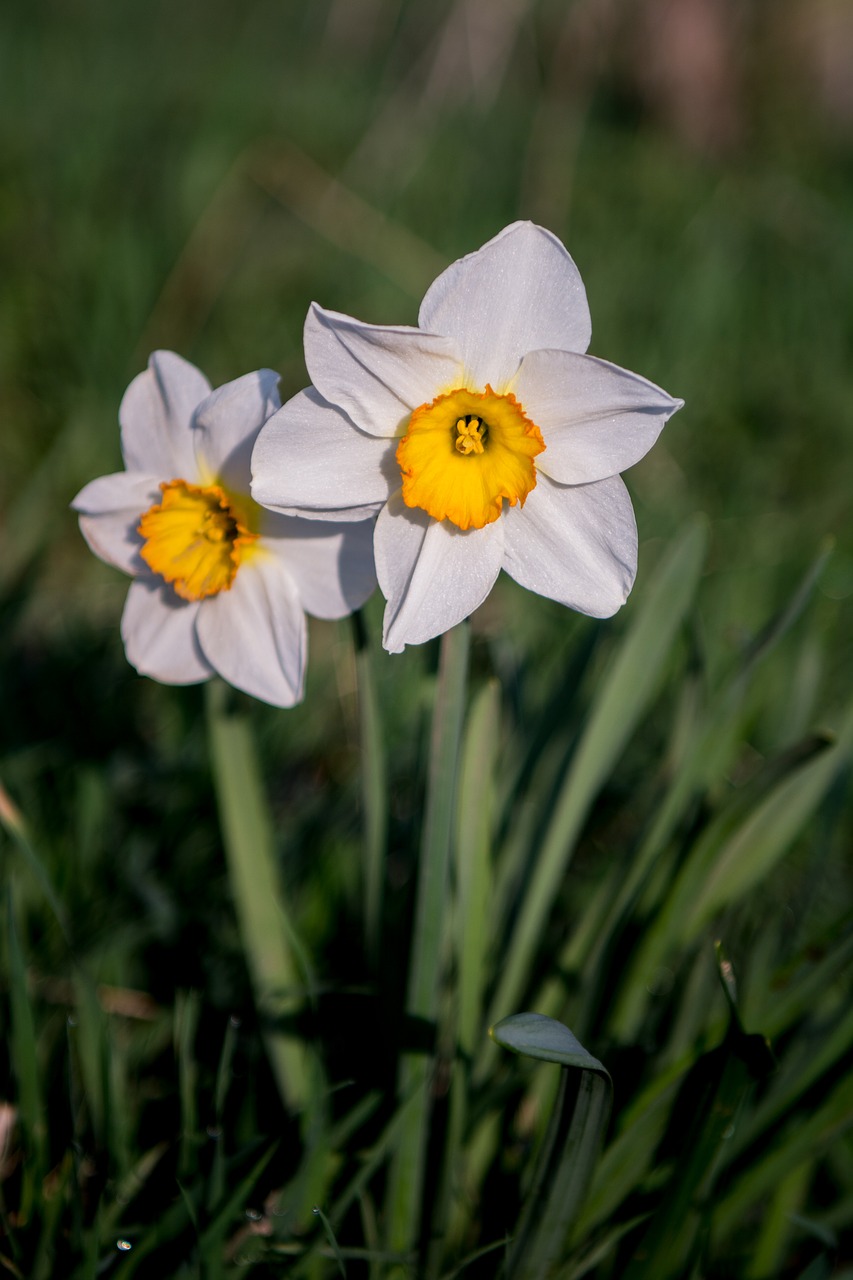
(485, 439)
(220, 584)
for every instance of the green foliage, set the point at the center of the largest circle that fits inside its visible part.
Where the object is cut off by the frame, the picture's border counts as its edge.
(184, 1122)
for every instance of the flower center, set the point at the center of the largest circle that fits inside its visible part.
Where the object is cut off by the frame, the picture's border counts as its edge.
(194, 538)
(465, 452)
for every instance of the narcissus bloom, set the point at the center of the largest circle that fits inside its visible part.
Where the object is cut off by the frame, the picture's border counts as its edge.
(485, 439)
(221, 585)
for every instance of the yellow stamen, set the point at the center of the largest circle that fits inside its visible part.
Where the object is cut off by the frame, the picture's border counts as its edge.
(471, 435)
(195, 538)
(466, 452)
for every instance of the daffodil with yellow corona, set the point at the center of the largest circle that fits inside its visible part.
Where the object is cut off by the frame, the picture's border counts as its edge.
(220, 584)
(485, 439)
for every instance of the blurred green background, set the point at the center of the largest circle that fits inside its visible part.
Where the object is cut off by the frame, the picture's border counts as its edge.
(191, 175)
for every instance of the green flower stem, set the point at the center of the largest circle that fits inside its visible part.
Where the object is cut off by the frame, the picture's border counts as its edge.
(431, 918)
(374, 788)
(265, 929)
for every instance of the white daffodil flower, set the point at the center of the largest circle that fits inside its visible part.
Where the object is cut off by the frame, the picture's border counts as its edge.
(485, 439)
(221, 585)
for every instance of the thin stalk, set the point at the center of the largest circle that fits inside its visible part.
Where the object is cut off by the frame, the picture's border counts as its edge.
(431, 913)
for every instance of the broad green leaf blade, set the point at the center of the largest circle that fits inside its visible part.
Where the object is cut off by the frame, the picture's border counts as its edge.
(374, 787)
(766, 835)
(555, 1202)
(571, 1147)
(700, 1127)
(710, 1099)
(803, 1066)
(403, 1201)
(476, 796)
(701, 752)
(626, 692)
(780, 1007)
(471, 939)
(731, 857)
(536, 1036)
(805, 1137)
(265, 930)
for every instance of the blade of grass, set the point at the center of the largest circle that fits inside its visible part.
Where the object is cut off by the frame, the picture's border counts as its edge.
(779, 1007)
(234, 1204)
(702, 1122)
(52, 1205)
(803, 1066)
(766, 835)
(727, 860)
(187, 1009)
(627, 690)
(805, 1137)
(702, 750)
(403, 1206)
(16, 826)
(89, 1032)
(769, 1255)
(216, 1186)
(374, 789)
(472, 862)
(265, 928)
(331, 1238)
(571, 1147)
(26, 1069)
(472, 913)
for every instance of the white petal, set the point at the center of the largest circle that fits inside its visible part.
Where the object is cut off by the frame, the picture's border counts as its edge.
(575, 544)
(227, 424)
(596, 419)
(254, 635)
(431, 573)
(109, 509)
(377, 374)
(158, 630)
(156, 416)
(310, 459)
(331, 564)
(519, 293)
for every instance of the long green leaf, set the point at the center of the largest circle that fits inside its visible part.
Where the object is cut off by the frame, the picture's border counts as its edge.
(624, 695)
(701, 752)
(403, 1207)
(374, 789)
(472, 914)
(731, 857)
(266, 931)
(806, 1137)
(571, 1148)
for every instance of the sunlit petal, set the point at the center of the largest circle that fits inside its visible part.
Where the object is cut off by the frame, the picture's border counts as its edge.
(575, 544)
(520, 292)
(432, 574)
(156, 416)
